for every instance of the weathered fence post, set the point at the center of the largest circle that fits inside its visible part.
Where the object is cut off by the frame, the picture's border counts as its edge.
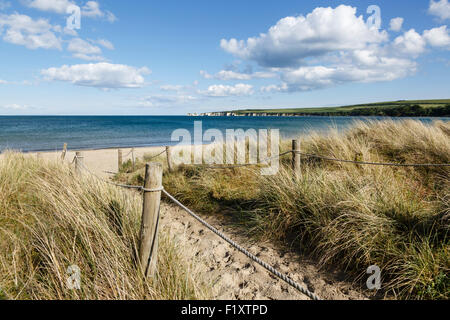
(296, 158)
(133, 159)
(64, 152)
(269, 143)
(169, 158)
(120, 159)
(79, 160)
(148, 247)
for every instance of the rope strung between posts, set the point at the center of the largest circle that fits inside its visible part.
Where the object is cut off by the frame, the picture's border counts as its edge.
(156, 156)
(245, 165)
(214, 230)
(131, 151)
(125, 186)
(336, 160)
(374, 163)
(242, 250)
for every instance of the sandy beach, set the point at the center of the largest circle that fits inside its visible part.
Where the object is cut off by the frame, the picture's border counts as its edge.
(102, 162)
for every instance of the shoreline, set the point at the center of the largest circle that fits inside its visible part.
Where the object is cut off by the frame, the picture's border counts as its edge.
(170, 144)
(102, 162)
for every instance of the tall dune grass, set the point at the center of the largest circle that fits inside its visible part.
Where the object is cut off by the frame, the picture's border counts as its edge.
(51, 219)
(348, 216)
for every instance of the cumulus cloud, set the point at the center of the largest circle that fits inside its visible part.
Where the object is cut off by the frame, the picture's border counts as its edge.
(170, 87)
(410, 43)
(317, 77)
(105, 44)
(220, 90)
(437, 37)
(101, 75)
(294, 39)
(329, 47)
(84, 50)
(440, 9)
(180, 89)
(57, 6)
(91, 9)
(396, 24)
(234, 75)
(23, 30)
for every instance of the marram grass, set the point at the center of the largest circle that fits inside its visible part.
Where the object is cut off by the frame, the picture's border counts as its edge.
(51, 219)
(347, 216)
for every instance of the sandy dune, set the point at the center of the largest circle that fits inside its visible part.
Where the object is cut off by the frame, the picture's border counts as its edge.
(231, 274)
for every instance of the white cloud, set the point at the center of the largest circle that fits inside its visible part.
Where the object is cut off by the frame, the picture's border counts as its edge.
(170, 87)
(410, 43)
(234, 75)
(330, 47)
(84, 50)
(437, 37)
(440, 9)
(57, 6)
(220, 90)
(293, 39)
(275, 88)
(3, 81)
(33, 34)
(100, 75)
(106, 44)
(92, 10)
(396, 24)
(180, 89)
(364, 71)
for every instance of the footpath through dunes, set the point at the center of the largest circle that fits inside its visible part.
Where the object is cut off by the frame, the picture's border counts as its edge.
(232, 275)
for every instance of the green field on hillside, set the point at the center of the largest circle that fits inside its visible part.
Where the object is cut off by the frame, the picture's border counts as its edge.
(392, 108)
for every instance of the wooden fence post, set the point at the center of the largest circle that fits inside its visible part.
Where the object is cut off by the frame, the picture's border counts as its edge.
(120, 159)
(296, 158)
(148, 247)
(133, 159)
(79, 160)
(269, 143)
(64, 152)
(169, 158)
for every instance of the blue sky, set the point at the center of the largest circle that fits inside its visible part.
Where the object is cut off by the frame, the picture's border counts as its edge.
(174, 57)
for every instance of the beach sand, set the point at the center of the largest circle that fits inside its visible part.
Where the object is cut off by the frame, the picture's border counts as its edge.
(102, 162)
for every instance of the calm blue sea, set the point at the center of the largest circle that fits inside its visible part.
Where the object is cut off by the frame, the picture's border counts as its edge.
(47, 133)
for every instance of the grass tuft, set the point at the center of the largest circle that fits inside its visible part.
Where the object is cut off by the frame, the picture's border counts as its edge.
(51, 219)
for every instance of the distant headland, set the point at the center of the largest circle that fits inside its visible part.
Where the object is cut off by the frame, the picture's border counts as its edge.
(401, 108)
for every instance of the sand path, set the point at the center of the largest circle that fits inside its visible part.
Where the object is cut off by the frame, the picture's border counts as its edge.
(232, 275)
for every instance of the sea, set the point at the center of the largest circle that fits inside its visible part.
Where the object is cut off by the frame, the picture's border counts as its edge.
(49, 133)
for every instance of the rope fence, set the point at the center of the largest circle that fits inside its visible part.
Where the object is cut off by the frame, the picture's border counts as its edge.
(309, 155)
(251, 256)
(244, 251)
(153, 188)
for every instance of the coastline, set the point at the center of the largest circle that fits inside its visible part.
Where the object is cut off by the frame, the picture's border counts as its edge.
(99, 161)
